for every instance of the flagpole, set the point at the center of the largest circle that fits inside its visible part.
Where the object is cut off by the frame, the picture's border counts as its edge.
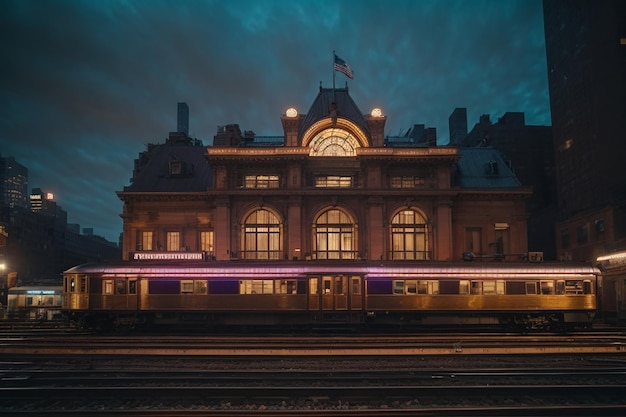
(334, 76)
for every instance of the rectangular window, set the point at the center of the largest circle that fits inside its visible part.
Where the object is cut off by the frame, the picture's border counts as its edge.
(173, 241)
(200, 287)
(398, 287)
(256, 286)
(473, 240)
(107, 287)
(313, 286)
(547, 287)
(573, 287)
(120, 286)
(409, 181)
(186, 286)
(356, 285)
(531, 288)
(333, 181)
(261, 181)
(477, 287)
(206, 242)
(144, 242)
(464, 286)
(286, 286)
(132, 286)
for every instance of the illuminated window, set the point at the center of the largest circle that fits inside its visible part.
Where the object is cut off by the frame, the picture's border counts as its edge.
(409, 237)
(335, 235)
(493, 287)
(200, 286)
(333, 181)
(256, 286)
(416, 287)
(107, 287)
(190, 286)
(262, 236)
(206, 241)
(173, 241)
(261, 181)
(186, 286)
(144, 241)
(409, 181)
(286, 286)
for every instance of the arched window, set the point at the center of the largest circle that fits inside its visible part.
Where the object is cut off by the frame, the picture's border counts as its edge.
(334, 235)
(409, 236)
(262, 236)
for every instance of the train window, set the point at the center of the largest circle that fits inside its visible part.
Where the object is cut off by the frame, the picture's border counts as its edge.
(428, 287)
(410, 286)
(339, 286)
(477, 287)
(200, 286)
(120, 286)
(72, 284)
(573, 287)
(587, 287)
(398, 287)
(464, 286)
(326, 285)
(531, 287)
(186, 286)
(286, 286)
(547, 287)
(256, 286)
(356, 285)
(313, 287)
(489, 287)
(107, 287)
(493, 287)
(132, 286)
(83, 284)
(29, 301)
(560, 287)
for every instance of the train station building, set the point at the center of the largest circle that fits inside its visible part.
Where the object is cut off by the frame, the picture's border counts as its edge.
(331, 186)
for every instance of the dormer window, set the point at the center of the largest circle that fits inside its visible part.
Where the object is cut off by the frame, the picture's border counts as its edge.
(177, 168)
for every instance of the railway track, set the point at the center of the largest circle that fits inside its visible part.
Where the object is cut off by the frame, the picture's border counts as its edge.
(375, 392)
(91, 375)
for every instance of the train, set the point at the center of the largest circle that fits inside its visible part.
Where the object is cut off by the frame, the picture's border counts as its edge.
(305, 294)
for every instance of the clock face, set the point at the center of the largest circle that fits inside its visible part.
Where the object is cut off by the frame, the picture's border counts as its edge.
(291, 112)
(334, 142)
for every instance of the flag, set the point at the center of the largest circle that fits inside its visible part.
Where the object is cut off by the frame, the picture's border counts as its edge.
(342, 66)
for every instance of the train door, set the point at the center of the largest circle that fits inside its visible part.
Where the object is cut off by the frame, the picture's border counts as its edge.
(333, 294)
(126, 290)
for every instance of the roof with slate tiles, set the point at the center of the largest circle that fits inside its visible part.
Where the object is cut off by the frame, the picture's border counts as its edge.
(484, 168)
(323, 104)
(172, 167)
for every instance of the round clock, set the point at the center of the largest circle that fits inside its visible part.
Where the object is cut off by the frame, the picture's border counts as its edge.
(291, 112)
(376, 112)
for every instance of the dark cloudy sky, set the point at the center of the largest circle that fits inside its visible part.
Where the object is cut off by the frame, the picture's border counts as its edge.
(86, 84)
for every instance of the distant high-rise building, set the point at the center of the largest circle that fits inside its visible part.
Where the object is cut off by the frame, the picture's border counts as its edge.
(13, 183)
(42, 202)
(586, 57)
(457, 122)
(183, 118)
